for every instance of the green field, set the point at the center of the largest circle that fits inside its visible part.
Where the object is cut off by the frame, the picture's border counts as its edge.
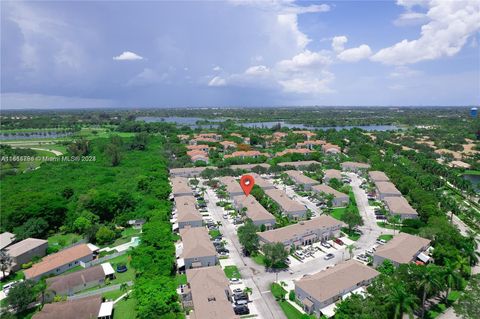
(232, 272)
(125, 309)
(337, 213)
(63, 240)
(129, 275)
(126, 237)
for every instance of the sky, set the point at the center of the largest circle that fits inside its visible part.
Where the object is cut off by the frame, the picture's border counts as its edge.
(67, 54)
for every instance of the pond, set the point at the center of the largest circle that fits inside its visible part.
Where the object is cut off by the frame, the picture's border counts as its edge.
(474, 178)
(192, 122)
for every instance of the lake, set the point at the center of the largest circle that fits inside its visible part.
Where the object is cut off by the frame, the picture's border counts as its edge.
(475, 179)
(192, 122)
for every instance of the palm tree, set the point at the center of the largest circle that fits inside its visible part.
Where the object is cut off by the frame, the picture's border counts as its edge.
(402, 302)
(350, 250)
(429, 281)
(472, 246)
(451, 276)
(248, 290)
(463, 265)
(5, 262)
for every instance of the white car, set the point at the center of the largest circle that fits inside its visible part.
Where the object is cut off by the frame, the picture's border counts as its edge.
(235, 281)
(10, 285)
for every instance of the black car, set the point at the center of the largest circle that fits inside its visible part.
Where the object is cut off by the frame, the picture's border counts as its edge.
(240, 296)
(241, 310)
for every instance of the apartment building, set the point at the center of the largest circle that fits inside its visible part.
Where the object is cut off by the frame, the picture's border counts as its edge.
(339, 198)
(289, 207)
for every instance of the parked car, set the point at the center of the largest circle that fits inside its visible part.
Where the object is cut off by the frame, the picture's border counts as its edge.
(241, 302)
(381, 241)
(339, 241)
(235, 281)
(241, 310)
(240, 296)
(325, 244)
(223, 253)
(369, 252)
(328, 256)
(10, 285)
(225, 216)
(237, 290)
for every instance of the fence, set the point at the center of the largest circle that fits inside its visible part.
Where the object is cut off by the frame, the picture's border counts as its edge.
(102, 260)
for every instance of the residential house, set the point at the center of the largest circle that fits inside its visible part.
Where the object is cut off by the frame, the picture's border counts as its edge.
(82, 308)
(232, 186)
(249, 167)
(208, 293)
(137, 223)
(304, 232)
(399, 206)
(6, 239)
(309, 135)
(200, 147)
(331, 148)
(188, 171)
(198, 250)
(24, 251)
(187, 212)
(302, 151)
(200, 140)
(277, 136)
(318, 291)
(228, 144)
(299, 164)
(180, 187)
(387, 189)
(402, 249)
(289, 207)
(377, 176)
(197, 155)
(262, 182)
(310, 144)
(60, 262)
(354, 166)
(300, 179)
(339, 198)
(69, 284)
(245, 154)
(255, 211)
(330, 174)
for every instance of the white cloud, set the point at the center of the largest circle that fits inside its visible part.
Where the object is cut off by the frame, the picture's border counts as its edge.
(451, 24)
(338, 43)
(402, 71)
(355, 54)
(217, 81)
(127, 56)
(410, 18)
(217, 68)
(289, 22)
(305, 59)
(307, 84)
(257, 70)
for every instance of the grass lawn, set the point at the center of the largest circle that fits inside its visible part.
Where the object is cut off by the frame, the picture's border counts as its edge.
(351, 234)
(232, 272)
(113, 295)
(214, 233)
(385, 237)
(63, 240)
(385, 225)
(290, 311)
(471, 172)
(127, 235)
(181, 279)
(258, 258)
(337, 213)
(125, 309)
(129, 275)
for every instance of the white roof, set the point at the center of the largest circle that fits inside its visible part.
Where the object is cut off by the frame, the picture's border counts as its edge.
(93, 247)
(423, 257)
(180, 262)
(108, 269)
(175, 226)
(106, 309)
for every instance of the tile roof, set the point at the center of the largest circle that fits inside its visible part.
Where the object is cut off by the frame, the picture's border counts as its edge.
(180, 186)
(402, 248)
(63, 283)
(328, 190)
(255, 211)
(300, 178)
(355, 165)
(260, 181)
(186, 209)
(6, 239)
(25, 246)
(378, 176)
(399, 205)
(333, 173)
(298, 164)
(231, 184)
(286, 203)
(196, 243)
(83, 308)
(387, 187)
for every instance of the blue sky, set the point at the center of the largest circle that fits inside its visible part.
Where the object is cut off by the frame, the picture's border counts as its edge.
(239, 53)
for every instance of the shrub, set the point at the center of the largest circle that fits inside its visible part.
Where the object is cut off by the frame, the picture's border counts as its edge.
(291, 295)
(27, 265)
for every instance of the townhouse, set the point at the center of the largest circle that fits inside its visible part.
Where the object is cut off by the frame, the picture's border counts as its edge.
(187, 213)
(24, 251)
(83, 308)
(299, 164)
(331, 148)
(402, 249)
(198, 155)
(386, 189)
(200, 147)
(289, 207)
(300, 179)
(399, 206)
(354, 166)
(262, 182)
(208, 293)
(254, 210)
(232, 186)
(198, 250)
(228, 144)
(6, 239)
(180, 187)
(60, 262)
(339, 198)
(245, 154)
(377, 176)
(319, 291)
(188, 171)
(310, 144)
(304, 232)
(249, 167)
(301, 151)
(307, 134)
(330, 174)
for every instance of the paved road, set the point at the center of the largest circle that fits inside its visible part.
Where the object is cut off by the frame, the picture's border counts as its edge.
(253, 275)
(98, 291)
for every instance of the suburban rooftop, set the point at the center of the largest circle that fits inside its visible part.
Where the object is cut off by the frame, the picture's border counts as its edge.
(399, 205)
(196, 242)
(402, 248)
(286, 203)
(255, 211)
(328, 190)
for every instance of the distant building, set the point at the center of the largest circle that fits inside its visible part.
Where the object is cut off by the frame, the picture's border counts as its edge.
(377, 176)
(232, 186)
(474, 112)
(188, 171)
(187, 212)
(200, 147)
(306, 134)
(298, 164)
(198, 155)
(399, 206)
(24, 251)
(331, 148)
(262, 182)
(302, 151)
(310, 144)
(249, 167)
(402, 249)
(180, 187)
(245, 154)
(137, 223)
(339, 198)
(387, 189)
(316, 292)
(354, 166)
(228, 144)
(304, 232)
(60, 262)
(331, 174)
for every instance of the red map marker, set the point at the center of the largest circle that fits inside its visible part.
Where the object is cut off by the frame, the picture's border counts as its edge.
(247, 182)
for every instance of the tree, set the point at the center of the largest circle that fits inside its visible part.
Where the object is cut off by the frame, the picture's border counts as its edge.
(81, 224)
(113, 151)
(21, 295)
(80, 147)
(451, 276)
(275, 255)
(468, 306)
(33, 227)
(394, 220)
(5, 262)
(352, 219)
(248, 290)
(429, 281)
(387, 267)
(401, 301)
(104, 235)
(247, 236)
(291, 295)
(139, 141)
